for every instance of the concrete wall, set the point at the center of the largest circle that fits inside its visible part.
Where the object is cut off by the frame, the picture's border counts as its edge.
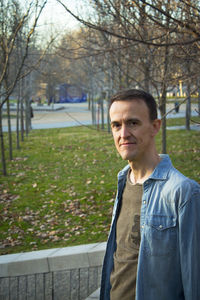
(70, 273)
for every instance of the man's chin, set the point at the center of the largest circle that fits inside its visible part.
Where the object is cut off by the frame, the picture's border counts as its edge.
(127, 157)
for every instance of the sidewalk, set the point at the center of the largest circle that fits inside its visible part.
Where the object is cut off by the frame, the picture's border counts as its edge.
(77, 114)
(57, 116)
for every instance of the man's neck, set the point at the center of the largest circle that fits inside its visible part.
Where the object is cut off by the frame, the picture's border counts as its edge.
(140, 171)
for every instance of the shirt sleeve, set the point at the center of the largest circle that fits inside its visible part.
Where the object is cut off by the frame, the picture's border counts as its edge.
(189, 240)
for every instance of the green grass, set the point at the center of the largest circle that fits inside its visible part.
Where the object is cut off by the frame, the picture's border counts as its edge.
(194, 99)
(181, 121)
(12, 116)
(62, 184)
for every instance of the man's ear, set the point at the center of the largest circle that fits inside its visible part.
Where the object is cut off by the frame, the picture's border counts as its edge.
(156, 126)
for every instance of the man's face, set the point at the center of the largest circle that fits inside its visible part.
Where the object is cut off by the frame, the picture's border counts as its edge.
(132, 129)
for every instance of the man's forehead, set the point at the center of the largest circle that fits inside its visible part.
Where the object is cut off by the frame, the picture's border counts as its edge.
(136, 101)
(131, 106)
(128, 110)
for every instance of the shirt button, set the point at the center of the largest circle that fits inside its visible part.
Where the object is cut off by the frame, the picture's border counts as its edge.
(142, 226)
(144, 202)
(160, 226)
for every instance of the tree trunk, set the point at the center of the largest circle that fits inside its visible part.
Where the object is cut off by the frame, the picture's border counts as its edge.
(108, 116)
(164, 89)
(28, 115)
(3, 159)
(110, 90)
(199, 101)
(146, 52)
(188, 103)
(119, 65)
(163, 117)
(188, 108)
(9, 130)
(93, 111)
(22, 113)
(88, 100)
(146, 76)
(102, 113)
(18, 118)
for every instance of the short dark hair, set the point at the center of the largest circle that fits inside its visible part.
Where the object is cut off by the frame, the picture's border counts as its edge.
(132, 94)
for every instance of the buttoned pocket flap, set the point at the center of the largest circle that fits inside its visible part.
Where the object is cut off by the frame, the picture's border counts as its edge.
(160, 222)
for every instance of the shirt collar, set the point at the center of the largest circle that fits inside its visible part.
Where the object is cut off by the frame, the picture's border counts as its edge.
(162, 169)
(160, 172)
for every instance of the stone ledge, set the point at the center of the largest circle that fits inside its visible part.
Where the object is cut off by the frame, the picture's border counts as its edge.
(95, 295)
(44, 261)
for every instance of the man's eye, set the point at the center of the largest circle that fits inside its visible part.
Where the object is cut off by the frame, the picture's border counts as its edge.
(115, 125)
(132, 123)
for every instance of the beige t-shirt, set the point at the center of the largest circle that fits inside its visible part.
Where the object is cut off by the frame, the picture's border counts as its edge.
(123, 276)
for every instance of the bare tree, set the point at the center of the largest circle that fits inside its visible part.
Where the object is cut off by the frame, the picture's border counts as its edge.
(140, 30)
(15, 22)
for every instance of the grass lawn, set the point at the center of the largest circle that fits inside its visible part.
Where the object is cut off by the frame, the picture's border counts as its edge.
(181, 121)
(62, 184)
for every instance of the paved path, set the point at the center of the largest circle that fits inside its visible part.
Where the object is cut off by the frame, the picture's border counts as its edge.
(76, 114)
(58, 116)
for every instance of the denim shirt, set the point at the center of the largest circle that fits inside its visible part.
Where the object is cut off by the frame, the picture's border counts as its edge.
(169, 255)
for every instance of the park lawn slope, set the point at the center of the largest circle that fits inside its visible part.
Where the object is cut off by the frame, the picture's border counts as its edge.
(62, 183)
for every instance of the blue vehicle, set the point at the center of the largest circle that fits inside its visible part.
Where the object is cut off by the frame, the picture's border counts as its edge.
(71, 94)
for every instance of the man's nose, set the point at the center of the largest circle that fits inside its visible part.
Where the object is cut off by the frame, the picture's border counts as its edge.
(124, 131)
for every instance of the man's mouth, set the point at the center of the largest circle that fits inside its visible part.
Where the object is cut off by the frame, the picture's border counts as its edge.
(127, 144)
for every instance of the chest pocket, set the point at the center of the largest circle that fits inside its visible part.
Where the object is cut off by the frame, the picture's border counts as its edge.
(160, 235)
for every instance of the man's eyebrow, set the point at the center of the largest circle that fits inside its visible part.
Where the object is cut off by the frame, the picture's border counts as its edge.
(129, 120)
(126, 121)
(133, 120)
(114, 122)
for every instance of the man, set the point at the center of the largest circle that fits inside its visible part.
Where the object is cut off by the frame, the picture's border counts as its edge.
(153, 247)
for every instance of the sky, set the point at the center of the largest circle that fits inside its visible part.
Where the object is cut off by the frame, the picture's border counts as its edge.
(55, 15)
(55, 20)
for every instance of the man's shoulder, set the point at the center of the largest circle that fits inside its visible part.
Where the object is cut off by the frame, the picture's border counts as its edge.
(180, 179)
(178, 186)
(177, 177)
(170, 173)
(171, 181)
